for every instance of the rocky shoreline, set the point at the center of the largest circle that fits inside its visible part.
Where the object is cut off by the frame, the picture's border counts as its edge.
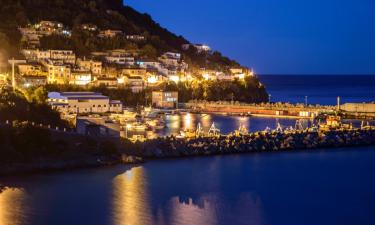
(172, 147)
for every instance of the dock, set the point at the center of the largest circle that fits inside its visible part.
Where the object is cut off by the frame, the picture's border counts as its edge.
(283, 110)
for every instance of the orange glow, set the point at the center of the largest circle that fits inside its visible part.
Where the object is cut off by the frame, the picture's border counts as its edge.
(12, 207)
(131, 203)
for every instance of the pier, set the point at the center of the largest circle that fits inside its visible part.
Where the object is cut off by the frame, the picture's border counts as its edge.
(284, 110)
(265, 141)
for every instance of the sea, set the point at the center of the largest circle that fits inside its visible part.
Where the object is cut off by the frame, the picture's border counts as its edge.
(291, 188)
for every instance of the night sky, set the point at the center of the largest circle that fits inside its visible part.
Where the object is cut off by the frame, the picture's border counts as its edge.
(277, 36)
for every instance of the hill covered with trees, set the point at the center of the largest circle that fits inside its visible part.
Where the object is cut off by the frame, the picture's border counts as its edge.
(113, 14)
(105, 14)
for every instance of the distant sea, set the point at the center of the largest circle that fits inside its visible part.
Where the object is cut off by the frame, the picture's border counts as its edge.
(320, 89)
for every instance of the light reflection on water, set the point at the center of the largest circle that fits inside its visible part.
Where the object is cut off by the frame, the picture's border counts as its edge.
(274, 189)
(130, 200)
(227, 124)
(12, 208)
(133, 197)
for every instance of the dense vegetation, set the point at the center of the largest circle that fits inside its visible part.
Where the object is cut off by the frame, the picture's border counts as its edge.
(21, 141)
(27, 106)
(249, 90)
(24, 143)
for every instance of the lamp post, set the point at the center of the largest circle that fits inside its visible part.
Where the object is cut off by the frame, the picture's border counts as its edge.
(12, 62)
(269, 98)
(306, 100)
(127, 127)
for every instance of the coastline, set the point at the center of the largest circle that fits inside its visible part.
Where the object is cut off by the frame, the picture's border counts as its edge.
(172, 148)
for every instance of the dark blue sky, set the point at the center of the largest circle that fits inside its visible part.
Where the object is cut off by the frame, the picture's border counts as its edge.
(277, 36)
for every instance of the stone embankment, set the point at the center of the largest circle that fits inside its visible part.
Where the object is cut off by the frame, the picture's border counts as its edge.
(256, 142)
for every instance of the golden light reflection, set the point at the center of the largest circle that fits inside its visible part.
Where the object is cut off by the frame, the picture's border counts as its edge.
(131, 203)
(243, 121)
(206, 121)
(174, 123)
(208, 209)
(12, 210)
(188, 122)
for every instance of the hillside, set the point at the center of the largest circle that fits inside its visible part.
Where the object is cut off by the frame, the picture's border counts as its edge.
(113, 15)
(106, 14)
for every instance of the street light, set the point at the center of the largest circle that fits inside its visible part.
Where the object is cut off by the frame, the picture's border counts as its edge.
(269, 98)
(127, 127)
(306, 100)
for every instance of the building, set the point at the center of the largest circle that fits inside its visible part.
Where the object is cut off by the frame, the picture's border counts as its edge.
(120, 59)
(67, 56)
(30, 36)
(49, 27)
(135, 83)
(31, 69)
(199, 47)
(36, 54)
(83, 103)
(95, 67)
(202, 48)
(3, 79)
(109, 82)
(110, 33)
(34, 81)
(134, 72)
(57, 73)
(80, 77)
(165, 99)
(172, 55)
(89, 27)
(135, 37)
(236, 70)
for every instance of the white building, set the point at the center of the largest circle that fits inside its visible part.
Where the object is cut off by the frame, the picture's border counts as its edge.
(121, 60)
(199, 47)
(135, 37)
(83, 102)
(80, 77)
(66, 56)
(172, 55)
(202, 48)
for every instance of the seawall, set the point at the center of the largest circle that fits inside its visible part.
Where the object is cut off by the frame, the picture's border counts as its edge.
(255, 142)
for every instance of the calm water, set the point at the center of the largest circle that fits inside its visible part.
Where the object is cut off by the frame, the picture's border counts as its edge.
(320, 89)
(332, 187)
(322, 187)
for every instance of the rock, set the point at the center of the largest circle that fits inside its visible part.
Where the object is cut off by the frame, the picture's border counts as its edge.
(130, 159)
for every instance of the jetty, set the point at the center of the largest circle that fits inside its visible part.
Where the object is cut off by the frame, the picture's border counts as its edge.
(263, 141)
(283, 110)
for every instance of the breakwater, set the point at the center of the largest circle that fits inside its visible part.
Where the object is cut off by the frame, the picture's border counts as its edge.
(256, 142)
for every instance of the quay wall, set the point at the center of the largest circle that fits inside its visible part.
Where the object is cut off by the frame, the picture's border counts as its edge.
(359, 107)
(266, 109)
(256, 142)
